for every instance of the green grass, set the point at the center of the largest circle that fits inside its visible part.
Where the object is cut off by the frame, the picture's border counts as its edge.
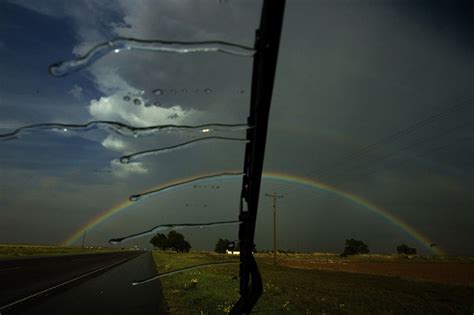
(207, 290)
(296, 291)
(7, 251)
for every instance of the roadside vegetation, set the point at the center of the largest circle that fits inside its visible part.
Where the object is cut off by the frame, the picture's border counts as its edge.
(7, 251)
(297, 285)
(211, 289)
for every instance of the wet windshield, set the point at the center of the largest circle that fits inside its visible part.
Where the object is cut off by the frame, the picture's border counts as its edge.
(103, 119)
(120, 120)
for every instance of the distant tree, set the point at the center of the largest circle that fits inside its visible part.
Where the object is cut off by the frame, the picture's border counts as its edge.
(177, 242)
(160, 241)
(222, 245)
(355, 247)
(406, 250)
(183, 247)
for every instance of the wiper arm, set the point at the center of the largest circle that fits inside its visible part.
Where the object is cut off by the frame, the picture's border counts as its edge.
(264, 67)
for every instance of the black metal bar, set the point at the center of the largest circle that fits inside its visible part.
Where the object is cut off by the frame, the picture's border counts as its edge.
(267, 43)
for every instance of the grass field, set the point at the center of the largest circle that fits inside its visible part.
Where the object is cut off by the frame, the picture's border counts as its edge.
(309, 283)
(290, 287)
(7, 251)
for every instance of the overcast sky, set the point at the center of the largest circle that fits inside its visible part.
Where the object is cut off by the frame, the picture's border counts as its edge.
(350, 74)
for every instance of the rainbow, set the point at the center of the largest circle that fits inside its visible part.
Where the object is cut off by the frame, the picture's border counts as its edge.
(272, 176)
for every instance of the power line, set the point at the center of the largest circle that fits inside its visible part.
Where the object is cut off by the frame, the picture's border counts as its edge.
(325, 171)
(415, 144)
(439, 148)
(393, 137)
(84, 238)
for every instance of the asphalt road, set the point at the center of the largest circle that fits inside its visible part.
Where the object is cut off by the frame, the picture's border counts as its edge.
(108, 292)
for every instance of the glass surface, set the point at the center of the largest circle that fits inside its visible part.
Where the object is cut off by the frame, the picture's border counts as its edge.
(370, 133)
(59, 180)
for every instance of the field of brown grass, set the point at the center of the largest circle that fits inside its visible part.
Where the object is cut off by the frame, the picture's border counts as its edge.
(450, 270)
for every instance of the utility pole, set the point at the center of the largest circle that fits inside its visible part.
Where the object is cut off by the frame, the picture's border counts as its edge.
(84, 238)
(274, 197)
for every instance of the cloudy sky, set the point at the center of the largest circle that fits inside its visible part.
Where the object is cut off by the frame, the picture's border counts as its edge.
(374, 98)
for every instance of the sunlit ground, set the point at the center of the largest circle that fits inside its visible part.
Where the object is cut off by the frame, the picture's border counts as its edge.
(309, 283)
(323, 283)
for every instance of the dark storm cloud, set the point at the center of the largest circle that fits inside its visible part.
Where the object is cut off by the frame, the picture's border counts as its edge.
(349, 74)
(362, 72)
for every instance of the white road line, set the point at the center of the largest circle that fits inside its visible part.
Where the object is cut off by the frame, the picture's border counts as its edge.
(60, 285)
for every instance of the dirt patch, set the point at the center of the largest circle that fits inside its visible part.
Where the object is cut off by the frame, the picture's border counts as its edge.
(445, 272)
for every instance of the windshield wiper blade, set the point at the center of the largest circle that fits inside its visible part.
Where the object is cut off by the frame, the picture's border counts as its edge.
(264, 68)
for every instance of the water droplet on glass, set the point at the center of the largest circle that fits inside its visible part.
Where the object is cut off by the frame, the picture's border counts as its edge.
(129, 131)
(139, 282)
(134, 198)
(156, 104)
(164, 227)
(115, 241)
(207, 91)
(137, 101)
(116, 51)
(148, 104)
(223, 175)
(173, 91)
(66, 67)
(180, 146)
(126, 98)
(124, 160)
(158, 92)
(65, 129)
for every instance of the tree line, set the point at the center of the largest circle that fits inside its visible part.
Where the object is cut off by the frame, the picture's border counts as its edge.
(357, 247)
(175, 241)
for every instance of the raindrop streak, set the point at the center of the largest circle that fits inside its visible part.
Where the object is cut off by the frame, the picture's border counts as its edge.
(169, 273)
(164, 227)
(121, 128)
(116, 45)
(168, 187)
(132, 157)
